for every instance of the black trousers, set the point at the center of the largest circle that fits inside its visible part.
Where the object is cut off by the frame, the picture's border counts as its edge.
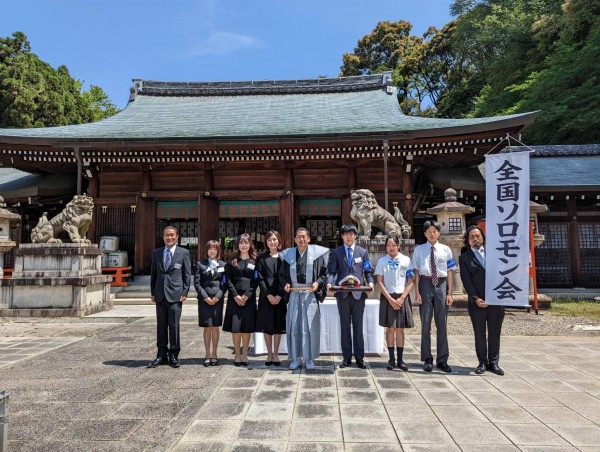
(351, 324)
(167, 328)
(490, 318)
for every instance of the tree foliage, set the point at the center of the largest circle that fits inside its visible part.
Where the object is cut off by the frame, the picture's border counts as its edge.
(33, 94)
(498, 57)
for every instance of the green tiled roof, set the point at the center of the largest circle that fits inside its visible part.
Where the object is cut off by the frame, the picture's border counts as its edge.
(236, 110)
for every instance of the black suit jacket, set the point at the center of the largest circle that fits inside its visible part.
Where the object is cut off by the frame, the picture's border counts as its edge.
(208, 284)
(338, 268)
(173, 282)
(472, 275)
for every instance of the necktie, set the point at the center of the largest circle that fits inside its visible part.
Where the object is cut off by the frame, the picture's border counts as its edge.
(481, 256)
(167, 259)
(349, 257)
(434, 276)
(213, 266)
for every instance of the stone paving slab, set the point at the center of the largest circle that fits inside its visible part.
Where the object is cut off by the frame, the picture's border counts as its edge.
(92, 392)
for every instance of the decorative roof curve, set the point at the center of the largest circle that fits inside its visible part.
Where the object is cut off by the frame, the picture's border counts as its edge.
(328, 109)
(268, 87)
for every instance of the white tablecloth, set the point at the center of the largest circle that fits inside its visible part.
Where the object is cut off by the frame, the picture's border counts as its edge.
(330, 330)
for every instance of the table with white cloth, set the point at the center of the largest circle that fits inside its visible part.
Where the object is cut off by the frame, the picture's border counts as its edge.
(331, 333)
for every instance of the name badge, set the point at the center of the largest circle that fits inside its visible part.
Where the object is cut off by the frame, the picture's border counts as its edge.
(441, 260)
(357, 260)
(402, 271)
(220, 269)
(177, 265)
(251, 266)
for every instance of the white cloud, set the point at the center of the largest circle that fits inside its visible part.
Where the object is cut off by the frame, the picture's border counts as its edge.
(223, 42)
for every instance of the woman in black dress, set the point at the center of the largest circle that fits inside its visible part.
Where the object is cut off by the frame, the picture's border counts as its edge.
(240, 313)
(271, 305)
(209, 281)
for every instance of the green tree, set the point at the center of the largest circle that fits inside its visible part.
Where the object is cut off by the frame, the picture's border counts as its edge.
(567, 88)
(381, 50)
(33, 94)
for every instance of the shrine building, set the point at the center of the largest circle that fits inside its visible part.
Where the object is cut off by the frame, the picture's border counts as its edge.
(217, 159)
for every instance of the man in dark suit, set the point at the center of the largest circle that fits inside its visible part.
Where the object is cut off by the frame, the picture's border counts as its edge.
(472, 275)
(350, 259)
(169, 285)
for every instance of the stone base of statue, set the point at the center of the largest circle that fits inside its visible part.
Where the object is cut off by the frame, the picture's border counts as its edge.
(376, 249)
(55, 280)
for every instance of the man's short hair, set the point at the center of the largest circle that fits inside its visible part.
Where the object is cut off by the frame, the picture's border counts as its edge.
(302, 229)
(348, 228)
(430, 223)
(171, 227)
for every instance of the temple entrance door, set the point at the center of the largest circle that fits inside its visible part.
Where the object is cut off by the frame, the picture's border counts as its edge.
(255, 218)
(323, 219)
(183, 215)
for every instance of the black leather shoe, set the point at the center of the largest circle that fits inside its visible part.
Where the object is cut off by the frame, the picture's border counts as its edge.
(495, 368)
(174, 362)
(444, 367)
(159, 361)
(345, 363)
(390, 365)
(402, 366)
(361, 364)
(480, 369)
(427, 366)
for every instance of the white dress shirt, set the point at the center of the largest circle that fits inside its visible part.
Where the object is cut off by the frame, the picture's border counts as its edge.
(443, 259)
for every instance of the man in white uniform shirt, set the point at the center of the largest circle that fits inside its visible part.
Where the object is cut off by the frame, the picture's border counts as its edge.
(433, 267)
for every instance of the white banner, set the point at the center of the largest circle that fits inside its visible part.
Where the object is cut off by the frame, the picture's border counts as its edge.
(507, 229)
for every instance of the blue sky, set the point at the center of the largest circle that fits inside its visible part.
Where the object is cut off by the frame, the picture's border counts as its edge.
(109, 42)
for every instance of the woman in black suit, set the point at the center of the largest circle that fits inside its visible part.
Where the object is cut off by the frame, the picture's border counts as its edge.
(483, 316)
(209, 281)
(240, 314)
(272, 309)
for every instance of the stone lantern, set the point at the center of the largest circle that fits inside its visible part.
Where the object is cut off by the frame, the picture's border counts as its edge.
(534, 210)
(6, 244)
(451, 216)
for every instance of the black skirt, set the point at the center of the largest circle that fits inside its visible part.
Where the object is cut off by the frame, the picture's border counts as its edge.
(390, 318)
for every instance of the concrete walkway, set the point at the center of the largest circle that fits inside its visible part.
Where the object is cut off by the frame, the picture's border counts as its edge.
(88, 389)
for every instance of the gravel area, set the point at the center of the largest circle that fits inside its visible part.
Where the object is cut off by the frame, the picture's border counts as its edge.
(522, 323)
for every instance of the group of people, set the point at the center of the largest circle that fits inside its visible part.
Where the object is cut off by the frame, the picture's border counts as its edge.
(292, 282)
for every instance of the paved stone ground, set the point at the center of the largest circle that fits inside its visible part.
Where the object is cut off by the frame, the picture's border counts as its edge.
(82, 385)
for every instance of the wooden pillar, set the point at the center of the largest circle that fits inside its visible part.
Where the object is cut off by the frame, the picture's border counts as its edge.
(286, 220)
(289, 214)
(574, 241)
(93, 191)
(145, 225)
(145, 233)
(208, 212)
(351, 181)
(208, 221)
(408, 203)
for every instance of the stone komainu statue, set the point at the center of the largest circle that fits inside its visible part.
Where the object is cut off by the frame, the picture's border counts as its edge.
(74, 222)
(367, 213)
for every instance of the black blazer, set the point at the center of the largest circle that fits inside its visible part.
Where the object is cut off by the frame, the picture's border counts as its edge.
(472, 275)
(173, 282)
(207, 284)
(338, 267)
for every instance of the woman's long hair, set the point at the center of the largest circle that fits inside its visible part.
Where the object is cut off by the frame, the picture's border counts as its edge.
(251, 251)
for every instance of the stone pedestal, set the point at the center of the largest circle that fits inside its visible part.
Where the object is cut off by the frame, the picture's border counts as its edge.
(55, 280)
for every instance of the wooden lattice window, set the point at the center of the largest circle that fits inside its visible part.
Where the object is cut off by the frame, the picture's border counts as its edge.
(589, 251)
(553, 257)
(118, 221)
